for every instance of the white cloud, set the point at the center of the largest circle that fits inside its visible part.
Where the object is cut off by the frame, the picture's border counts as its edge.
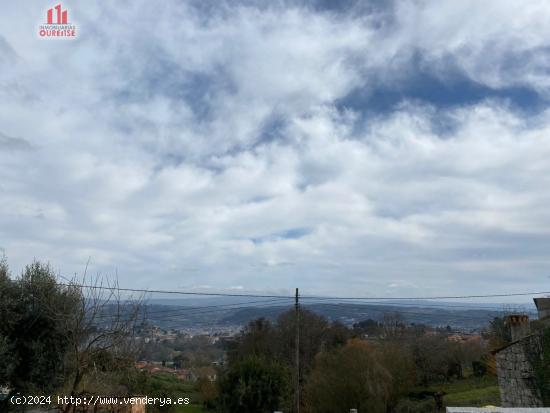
(217, 143)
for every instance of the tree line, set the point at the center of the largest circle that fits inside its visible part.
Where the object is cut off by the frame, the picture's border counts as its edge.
(63, 339)
(340, 367)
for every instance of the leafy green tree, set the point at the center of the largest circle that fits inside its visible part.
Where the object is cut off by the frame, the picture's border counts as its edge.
(263, 339)
(253, 385)
(276, 342)
(181, 361)
(33, 341)
(316, 334)
(196, 351)
(369, 327)
(8, 356)
(539, 359)
(258, 338)
(55, 337)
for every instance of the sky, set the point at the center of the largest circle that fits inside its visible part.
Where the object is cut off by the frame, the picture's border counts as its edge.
(386, 148)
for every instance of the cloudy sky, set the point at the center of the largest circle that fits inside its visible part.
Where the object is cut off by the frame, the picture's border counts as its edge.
(372, 148)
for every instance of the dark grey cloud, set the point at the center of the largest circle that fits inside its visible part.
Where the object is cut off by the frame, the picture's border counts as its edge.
(8, 143)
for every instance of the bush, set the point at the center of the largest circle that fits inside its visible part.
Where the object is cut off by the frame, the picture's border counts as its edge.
(253, 385)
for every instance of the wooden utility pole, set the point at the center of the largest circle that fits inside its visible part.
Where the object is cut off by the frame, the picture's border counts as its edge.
(297, 343)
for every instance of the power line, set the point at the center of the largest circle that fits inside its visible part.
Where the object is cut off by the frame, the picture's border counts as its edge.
(367, 308)
(268, 307)
(190, 310)
(205, 294)
(198, 311)
(387, 307)
(202, 294)
(278, 309)
(274, 308)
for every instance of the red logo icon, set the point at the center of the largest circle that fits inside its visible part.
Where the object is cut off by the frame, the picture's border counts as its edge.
(61, 16)
(57, 24)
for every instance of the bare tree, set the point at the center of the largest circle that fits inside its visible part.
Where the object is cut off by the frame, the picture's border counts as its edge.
(102, 330)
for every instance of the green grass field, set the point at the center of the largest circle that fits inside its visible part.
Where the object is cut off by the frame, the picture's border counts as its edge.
(472, 391)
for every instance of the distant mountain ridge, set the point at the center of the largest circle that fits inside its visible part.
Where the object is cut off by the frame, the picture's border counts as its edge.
(235, 313)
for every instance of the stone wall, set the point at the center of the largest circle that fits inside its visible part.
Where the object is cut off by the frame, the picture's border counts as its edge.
(516, 377)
